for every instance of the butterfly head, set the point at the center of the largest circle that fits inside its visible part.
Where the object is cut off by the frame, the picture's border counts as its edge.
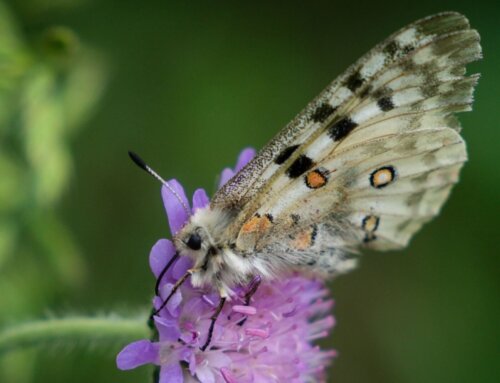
(195, 240)
(202, 239)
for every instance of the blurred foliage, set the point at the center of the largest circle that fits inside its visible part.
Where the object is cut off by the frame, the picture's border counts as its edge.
(49, 85)
(192, 83)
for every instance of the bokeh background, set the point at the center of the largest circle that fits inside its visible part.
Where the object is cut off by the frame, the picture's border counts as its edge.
(188, 85)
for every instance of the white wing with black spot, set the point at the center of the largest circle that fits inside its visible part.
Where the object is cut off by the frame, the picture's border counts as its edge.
(445, 42)
(371, 159)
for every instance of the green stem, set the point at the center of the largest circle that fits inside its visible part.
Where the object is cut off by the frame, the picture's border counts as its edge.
(73, 331)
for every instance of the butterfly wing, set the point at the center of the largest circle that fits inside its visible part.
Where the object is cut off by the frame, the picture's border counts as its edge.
(356, 84)
(371, 159)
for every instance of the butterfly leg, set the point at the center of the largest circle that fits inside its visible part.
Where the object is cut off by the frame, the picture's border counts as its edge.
(252, 289)
(177, 284)
(212, 323)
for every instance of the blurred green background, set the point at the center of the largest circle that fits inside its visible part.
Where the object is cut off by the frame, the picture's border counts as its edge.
(188, 85)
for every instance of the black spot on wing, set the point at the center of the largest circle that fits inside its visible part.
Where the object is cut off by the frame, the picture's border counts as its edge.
(391, 48)
(285, 154)
(407, 49)
(385, 103)
(314, 234)
(299, 166)
(341, 129)
(354, 81)
(322, 112)
(295, 218)
(394, 50)
(369, 237)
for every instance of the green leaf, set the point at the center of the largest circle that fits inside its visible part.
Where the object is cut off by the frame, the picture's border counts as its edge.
(98, 332)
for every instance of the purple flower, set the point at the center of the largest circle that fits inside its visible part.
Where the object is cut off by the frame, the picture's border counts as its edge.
(270, 339)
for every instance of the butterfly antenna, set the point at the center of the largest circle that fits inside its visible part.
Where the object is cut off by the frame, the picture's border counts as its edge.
(140, 163)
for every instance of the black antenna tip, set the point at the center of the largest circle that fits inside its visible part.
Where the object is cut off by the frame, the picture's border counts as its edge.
(138, 160)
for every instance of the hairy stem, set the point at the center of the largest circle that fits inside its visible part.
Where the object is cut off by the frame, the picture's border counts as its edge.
(73, 331)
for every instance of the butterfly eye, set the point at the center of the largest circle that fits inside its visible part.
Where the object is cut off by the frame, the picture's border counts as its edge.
(194, 241)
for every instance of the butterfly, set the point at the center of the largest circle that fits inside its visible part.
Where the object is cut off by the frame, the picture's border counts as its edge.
(365, 165)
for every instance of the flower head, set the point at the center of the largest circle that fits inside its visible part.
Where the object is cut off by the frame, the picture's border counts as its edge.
(264, 334)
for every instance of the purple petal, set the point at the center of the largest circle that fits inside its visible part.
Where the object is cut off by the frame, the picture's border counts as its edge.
(225, 176)
(204, 374)
(227, 375)
(138, 353)
(157, 302)
(244, 158)
(171, 373)
(273, 340)
(168, 330)
(200, 199)
(180, 267)
(176, 205)
(172, 304)
(160, 254)
(186, 354)
(192, 363)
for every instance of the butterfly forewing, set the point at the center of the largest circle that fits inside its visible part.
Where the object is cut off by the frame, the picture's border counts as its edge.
(324, 108)
(367, 162)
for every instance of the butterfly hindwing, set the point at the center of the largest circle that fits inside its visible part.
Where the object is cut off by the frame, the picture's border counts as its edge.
(393, 194)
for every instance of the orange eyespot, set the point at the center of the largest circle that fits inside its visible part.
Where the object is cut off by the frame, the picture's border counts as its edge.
(370, 223)
(257, 224)
(382, 177)
(266, 222)
(316, 179)
(251, 225)
(304, 239)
